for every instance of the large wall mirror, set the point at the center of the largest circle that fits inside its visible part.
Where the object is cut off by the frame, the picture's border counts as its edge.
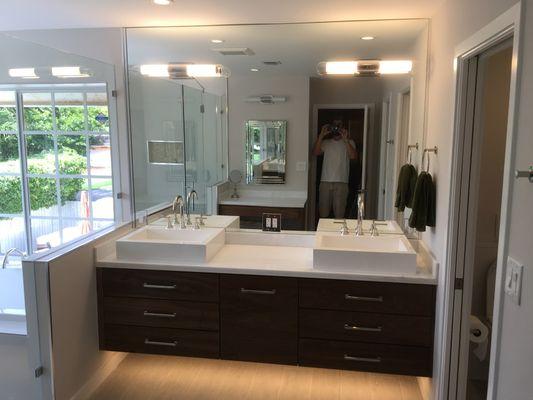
(351, 94)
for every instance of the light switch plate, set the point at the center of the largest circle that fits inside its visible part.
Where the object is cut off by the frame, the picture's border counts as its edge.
(513, 280)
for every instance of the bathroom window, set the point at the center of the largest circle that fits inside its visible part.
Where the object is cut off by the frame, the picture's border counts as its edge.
(55, 165)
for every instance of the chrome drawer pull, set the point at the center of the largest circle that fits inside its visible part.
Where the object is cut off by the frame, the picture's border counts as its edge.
(362, 298)
(362, 328)
(160, 315)
(362, 359)
(156, 343)
(164, 287)
(255, 291)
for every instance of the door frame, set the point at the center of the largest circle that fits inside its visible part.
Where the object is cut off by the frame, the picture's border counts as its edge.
(368, 125)
(505, 26)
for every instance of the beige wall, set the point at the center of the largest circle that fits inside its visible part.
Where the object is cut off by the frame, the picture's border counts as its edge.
(294, 111)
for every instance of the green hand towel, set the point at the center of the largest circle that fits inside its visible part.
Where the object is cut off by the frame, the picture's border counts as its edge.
(424, 210)
(406, 187)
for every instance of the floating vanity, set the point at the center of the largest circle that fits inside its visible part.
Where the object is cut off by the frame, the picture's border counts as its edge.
(262, 297)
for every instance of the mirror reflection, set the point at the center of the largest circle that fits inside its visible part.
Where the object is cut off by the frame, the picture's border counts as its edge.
(329, 112)
(265, 151)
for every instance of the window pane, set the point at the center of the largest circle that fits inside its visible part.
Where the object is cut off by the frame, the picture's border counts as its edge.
(73, 229)
(70, 112)
(74, 198)
(72, 154)
(45, 234)
(97, 112)
(12, 235)
(41, 147)
(102, 224)
(100, 155)
(10, 195)
(102, 198)
(8, 112)
(43, 196)
(38, 112)
(9, 153)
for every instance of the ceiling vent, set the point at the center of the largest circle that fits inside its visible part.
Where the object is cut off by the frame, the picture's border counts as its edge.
(272, 63)
(235, 51)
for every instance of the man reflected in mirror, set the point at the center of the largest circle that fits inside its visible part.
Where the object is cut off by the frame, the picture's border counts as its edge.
(338, 149)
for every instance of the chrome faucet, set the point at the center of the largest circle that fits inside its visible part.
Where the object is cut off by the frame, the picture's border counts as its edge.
(192, 194)
(360, 213)
(178, 203)
(374, 229)
(344, 229)
(9, 252)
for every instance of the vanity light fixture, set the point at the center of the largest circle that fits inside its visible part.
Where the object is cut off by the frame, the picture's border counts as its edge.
(155, 70)
(365, 67)
(70, 72)
(162, 2)
(23, 73)
(203, 70)
(367, 37)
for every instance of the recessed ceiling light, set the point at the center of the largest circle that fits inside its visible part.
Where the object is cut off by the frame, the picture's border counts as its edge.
(217, 41)
(367, 38)
(254, 69)
(162, 2)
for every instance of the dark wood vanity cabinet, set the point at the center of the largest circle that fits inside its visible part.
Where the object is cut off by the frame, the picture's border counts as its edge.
(251, 217)
(259, 318)
(367, 326)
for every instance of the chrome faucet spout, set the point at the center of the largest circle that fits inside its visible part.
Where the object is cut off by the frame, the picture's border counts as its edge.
(9, 252)
(360, 213)
(194, 196)
(178, 203)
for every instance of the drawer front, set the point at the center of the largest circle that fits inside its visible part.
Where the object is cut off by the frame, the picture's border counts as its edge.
(404, 360)
(180, 342)
(161, 313)
(259, 319)
(378, 297)
(170, 285)
(366, 327)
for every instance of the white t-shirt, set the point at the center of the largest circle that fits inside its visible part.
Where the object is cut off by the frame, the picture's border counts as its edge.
(336, 165)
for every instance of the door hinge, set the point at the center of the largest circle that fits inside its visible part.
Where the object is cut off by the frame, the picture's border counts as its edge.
(120, 195)
(114, 93)
(458, 284)
(202, 108)
(39, 371)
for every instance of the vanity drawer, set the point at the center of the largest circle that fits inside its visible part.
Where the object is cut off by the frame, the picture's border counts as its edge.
(259, 318)
(180, 342)
(161, 313)
(170, 285)
(366, 327)
(404, 360)
(378, 297)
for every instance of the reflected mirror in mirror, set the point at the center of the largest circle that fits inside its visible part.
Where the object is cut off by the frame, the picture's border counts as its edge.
(265, 151)
(367, 96)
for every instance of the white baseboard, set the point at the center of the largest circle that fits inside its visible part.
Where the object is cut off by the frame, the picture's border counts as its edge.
(425, 385)
(99, 376)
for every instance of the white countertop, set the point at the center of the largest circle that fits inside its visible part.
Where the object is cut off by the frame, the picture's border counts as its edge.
(289, 202)
(271, 260)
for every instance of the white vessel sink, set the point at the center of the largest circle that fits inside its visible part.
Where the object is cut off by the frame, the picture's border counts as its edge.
(387, 254)
(155, 243)
(210, 221)
(334, 225)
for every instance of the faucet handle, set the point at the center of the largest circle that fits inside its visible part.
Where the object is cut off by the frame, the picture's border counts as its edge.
(374, 229)
(197, 223)
(201, 218)
(344, 228)
(169, 222)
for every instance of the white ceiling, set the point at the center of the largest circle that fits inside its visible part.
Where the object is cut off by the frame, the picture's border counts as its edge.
(299, 47)
(50, 14)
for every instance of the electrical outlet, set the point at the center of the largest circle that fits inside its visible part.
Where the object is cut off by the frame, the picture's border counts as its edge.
(271, 222)
(513, 280)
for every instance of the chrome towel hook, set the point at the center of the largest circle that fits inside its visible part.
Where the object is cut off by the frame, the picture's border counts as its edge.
(429, 150)
(525, 174)
(409, 153)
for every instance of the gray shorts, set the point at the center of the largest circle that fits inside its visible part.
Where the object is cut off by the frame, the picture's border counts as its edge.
(332, 194)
